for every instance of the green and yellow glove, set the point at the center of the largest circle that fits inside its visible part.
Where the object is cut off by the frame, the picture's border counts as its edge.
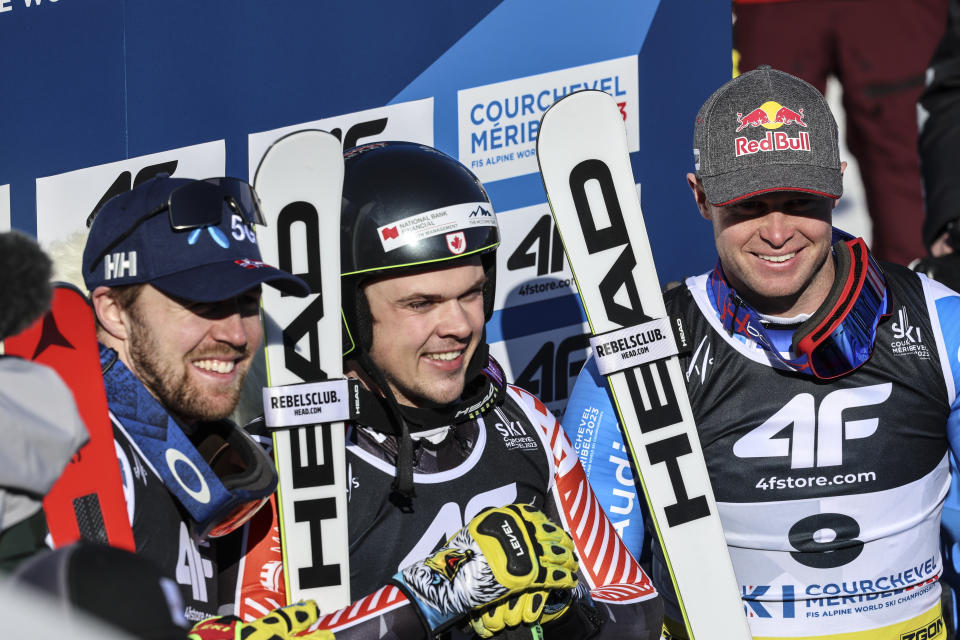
(285, 623)
(500, 553)
(534, 607)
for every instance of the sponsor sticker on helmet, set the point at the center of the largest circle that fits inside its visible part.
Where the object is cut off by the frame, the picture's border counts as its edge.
(456, 242)
(450, 221)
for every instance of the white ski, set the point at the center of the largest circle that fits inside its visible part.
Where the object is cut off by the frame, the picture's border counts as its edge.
(299, 181)
(585, 165)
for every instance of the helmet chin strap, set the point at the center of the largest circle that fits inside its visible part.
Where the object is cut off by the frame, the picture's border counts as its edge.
(383, 413)
(395, 425)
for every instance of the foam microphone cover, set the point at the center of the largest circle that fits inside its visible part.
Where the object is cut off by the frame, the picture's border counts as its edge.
(25, 288)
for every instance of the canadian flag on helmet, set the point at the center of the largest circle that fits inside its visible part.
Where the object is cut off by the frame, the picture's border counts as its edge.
(456, 242)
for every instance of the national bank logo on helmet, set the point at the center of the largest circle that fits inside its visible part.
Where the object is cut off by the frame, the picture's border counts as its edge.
(765, 131)
(407, 205)
(192, 239)
(449, 221)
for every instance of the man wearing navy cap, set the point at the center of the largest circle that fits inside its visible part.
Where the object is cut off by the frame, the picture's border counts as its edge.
(174, 274)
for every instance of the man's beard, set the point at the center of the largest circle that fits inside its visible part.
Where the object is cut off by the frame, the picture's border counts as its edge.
(170, 381)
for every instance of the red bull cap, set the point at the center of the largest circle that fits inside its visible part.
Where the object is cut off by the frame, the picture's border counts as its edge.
(764, 131)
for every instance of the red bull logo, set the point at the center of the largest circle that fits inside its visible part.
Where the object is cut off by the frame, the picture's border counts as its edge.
(771, 115)
(773, 141)
(786, 115)
(755, 118)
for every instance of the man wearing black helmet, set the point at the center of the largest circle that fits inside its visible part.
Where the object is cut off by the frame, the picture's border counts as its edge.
(453, 471)
(174, 275)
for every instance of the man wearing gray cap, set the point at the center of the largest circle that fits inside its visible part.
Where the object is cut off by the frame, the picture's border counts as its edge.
(823, 383)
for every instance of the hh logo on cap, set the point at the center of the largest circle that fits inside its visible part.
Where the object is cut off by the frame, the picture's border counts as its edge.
(771, 115)
(120, 265)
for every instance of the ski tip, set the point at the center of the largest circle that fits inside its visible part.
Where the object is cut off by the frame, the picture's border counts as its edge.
(302, 141)
(584, 101)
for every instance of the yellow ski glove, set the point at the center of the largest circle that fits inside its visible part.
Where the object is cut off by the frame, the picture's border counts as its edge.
(534, 607)
(500, 553)
(285, 623)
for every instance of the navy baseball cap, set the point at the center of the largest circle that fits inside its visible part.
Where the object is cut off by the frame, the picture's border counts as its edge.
(192, 239)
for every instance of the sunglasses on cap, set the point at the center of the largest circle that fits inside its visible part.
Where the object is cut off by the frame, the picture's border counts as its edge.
(195, 205)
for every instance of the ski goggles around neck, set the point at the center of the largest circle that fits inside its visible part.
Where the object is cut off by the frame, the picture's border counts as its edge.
(839, 337)
(245, 472)
(221, 480)
(194, 205)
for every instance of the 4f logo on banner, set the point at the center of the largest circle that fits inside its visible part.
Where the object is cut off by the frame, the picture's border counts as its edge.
(126, 181)
(359, 131)
(548, 373)
(541, 248)
(817, 435)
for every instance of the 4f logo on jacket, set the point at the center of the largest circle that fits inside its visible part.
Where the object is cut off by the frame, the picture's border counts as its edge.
(817, 436)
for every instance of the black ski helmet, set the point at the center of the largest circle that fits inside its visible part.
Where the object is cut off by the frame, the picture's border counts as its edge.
(405, 207)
